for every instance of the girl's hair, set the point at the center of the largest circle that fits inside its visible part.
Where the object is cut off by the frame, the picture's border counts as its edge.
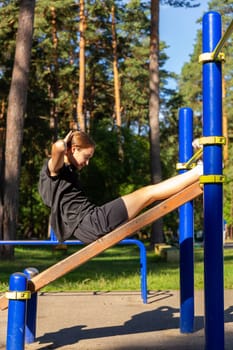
(82, 140)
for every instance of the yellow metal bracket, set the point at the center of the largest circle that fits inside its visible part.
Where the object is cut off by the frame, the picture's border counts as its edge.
(210, 57)
(191, 162)
(216, 55)
(212, 140)
(208, 179)
(183, 166)
(16, 295)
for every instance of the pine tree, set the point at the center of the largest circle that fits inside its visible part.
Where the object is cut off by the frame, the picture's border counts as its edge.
(14, 124)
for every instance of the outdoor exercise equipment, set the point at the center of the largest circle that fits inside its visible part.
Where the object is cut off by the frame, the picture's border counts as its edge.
(130, 241)
(213, 180)
(30, 325)
(112, 238)
(17, 295)
(186, 226)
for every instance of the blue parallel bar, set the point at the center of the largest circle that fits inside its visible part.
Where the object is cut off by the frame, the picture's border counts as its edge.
(16, 313)
(186, 228)
(54, 241)
(213, 192)
(143, 265)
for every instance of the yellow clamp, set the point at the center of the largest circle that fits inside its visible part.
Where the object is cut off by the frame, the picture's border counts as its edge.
(184, 166)
(191, 162)
(210, 57)
(212, 140)
(208, 179)
(17, 295)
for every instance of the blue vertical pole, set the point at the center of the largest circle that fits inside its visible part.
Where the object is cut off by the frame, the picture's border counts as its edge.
(30, 329)
(143, 268)
(213, 192)
(186, 229)
(16, 312)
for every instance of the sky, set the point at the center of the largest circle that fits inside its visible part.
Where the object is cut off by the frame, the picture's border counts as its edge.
(178, 29)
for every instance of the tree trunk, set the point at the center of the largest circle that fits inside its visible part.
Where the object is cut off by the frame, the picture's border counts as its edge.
(2, 151)
(157, 232)
(116, 86)
(15, 122)
(53, 89)
(115, 72)
(80, 114)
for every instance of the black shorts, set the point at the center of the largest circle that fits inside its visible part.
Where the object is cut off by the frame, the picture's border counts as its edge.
(101, 220)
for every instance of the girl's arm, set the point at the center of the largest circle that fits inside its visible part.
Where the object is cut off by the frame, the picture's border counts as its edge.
(59, 149)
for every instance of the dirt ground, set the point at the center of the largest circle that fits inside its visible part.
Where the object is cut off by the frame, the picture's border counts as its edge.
(118, 321)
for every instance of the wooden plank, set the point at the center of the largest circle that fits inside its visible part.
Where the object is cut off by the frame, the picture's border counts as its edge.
(90, 251)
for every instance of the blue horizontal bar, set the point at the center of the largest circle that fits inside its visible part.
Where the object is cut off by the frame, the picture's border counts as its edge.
(128, 241)
(55, 242)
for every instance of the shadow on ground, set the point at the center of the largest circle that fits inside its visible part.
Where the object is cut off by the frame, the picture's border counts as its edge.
(162, 318)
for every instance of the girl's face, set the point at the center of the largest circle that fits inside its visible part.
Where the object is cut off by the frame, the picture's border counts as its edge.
(81, 156)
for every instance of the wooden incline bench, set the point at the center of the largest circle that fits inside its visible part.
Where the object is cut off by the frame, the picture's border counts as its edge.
(90, 251)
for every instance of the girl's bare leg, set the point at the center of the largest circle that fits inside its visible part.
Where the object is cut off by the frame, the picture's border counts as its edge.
(141, 198)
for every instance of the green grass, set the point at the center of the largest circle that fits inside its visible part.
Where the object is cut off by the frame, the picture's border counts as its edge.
(115, 269)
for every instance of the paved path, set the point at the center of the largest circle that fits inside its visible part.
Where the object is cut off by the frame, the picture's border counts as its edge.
(118, 321)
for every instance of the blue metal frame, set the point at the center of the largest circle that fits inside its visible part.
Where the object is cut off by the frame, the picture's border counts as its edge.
(16, 313)
(129, 241)
(213, 192)
(31, 314)
(186, 229)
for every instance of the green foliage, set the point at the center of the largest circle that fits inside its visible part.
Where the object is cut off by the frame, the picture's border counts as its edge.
(228, 191)
(107, 176)
(181, 3)
(192, 93)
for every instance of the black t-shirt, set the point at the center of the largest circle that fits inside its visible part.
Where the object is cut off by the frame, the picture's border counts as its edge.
(64, 195)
